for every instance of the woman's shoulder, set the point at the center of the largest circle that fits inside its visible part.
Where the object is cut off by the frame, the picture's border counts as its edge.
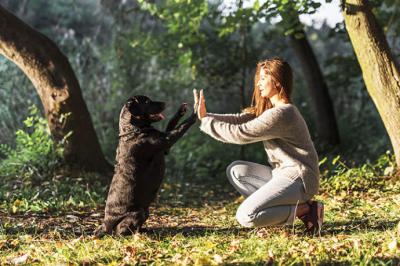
(286, 112)
(286, 106)
(282, 109)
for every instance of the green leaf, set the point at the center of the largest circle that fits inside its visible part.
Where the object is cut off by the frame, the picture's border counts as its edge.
(256, 5)
(335, 160)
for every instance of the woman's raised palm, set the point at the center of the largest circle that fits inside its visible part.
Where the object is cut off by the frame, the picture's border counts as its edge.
(200, 104)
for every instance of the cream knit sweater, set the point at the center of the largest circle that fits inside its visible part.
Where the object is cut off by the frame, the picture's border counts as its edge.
(284, 134)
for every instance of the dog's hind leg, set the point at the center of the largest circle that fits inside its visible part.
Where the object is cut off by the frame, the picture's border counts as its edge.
(104, 229)
(131, 223)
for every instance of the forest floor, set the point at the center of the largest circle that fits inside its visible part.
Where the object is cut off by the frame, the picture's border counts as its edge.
(192, 223)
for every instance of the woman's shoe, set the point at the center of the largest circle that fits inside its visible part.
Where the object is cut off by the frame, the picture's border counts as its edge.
(315, 218)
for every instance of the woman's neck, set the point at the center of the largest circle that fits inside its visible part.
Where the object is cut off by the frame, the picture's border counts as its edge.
(277, 101)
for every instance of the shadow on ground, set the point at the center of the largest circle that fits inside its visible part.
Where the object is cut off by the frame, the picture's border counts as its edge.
(350, 227)
(75, 225)
(162, 232)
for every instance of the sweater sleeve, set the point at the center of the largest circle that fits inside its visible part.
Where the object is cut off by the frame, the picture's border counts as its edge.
(233, 118)
(269, 125)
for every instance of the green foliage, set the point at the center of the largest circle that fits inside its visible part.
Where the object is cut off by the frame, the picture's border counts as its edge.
(35, 154)
(182, 17)
(32, 179)
(248, 15)
(192, 155)
(121, 48)
(338, 176)
(13, 108)
(182, 21)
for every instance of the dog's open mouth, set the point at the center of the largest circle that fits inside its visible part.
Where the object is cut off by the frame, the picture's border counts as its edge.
(158, 116)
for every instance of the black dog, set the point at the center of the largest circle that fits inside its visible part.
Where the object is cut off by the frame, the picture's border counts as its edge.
(140, 163)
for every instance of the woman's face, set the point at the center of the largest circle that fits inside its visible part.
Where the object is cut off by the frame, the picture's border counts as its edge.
(265, 85)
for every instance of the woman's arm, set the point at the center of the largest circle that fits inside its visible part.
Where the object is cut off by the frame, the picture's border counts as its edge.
(232, 118)
(200, 106)
(273, 123)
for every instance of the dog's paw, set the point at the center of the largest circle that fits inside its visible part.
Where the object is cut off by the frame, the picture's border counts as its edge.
(192, 118)
(183, 109)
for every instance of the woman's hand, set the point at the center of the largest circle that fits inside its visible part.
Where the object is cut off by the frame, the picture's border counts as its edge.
(200, 104)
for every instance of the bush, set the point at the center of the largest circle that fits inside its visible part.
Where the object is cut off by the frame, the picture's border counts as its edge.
(35, 154)
(32, 176)
(340, 177)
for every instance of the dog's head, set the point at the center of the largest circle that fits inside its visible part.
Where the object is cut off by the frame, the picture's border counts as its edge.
(140, 108)
(143, 108)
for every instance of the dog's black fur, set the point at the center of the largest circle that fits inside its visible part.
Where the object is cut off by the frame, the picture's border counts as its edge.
(140, 164)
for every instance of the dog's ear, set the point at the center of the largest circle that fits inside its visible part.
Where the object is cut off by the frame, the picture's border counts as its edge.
(133, 106)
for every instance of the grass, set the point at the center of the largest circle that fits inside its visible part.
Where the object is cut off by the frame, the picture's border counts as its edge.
(193, 222)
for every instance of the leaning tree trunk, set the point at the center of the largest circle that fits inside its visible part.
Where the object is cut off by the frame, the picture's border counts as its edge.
(328, 132)
(379, 68)
(52, 76)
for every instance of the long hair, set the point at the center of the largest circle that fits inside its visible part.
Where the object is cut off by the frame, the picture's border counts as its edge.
(282, 79)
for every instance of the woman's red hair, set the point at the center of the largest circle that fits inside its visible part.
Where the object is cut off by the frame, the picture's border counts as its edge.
(282, 79)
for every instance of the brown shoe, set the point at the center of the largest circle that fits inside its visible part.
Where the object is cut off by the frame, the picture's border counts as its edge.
(314, 219)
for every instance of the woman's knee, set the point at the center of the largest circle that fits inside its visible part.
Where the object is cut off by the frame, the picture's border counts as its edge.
(232, 171)
(245, 217)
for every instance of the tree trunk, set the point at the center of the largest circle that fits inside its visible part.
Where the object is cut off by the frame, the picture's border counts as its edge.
(379, 68)
(52, 76)
(326, 120)
(328, 132)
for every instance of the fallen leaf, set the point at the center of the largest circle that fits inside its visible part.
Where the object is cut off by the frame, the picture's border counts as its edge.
(217, 258)
(72, 218)
(177, 257)
(202, 261)
(235, 245)
(239, 199)
(270, 258)
(130, 251)
(393, 245)
(20, 259)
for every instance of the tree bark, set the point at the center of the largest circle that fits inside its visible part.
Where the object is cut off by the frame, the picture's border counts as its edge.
(379, 68)
(52, 76)
(328, 132)
(325, 116)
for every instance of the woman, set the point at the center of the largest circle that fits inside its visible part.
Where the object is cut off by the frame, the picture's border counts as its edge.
(275, 194)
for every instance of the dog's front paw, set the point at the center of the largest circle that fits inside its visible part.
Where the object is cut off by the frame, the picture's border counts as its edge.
(192, 118)
(183, 109)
